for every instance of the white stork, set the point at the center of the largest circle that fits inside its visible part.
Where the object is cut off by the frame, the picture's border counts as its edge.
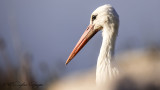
(104, 18)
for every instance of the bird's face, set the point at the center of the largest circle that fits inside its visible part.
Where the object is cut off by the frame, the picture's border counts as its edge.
(102, 16)
(98, 18)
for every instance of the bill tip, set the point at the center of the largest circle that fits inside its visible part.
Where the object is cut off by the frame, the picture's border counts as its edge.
(66, 63)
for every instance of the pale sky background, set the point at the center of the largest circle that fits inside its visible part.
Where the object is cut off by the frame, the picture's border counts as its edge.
(49, 30)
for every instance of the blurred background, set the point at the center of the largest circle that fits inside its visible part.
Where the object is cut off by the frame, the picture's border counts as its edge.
(37, 36)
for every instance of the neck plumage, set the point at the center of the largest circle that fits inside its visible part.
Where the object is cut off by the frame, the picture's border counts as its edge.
(104, 70)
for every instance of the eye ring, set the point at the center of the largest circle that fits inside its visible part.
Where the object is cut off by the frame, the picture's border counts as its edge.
(94, 17)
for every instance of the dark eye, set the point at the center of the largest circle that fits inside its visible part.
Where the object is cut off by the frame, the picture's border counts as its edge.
(94, 17)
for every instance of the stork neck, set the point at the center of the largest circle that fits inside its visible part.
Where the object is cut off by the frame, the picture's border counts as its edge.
(104, 70)
(108, 44)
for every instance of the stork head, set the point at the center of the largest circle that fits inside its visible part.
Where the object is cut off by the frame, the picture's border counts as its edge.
(103, 16)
